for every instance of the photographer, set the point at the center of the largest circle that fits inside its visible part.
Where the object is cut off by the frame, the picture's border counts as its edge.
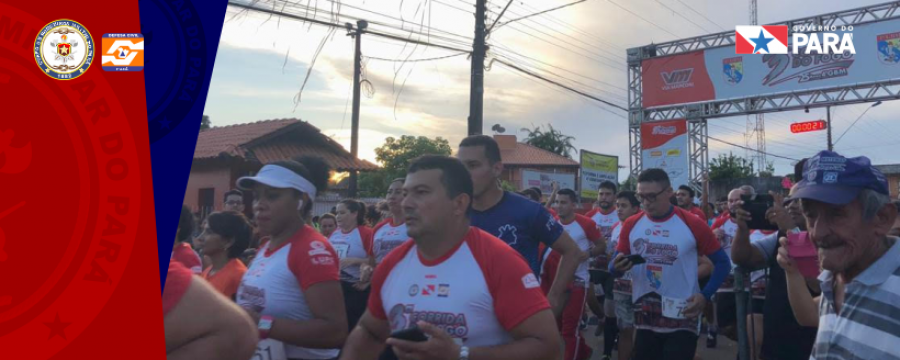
(847, 207)
(783, 337)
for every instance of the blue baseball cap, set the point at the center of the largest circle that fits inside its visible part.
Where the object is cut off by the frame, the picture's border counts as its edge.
(834, 179)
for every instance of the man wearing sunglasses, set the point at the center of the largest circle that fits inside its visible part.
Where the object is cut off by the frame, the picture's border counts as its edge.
(665, 287)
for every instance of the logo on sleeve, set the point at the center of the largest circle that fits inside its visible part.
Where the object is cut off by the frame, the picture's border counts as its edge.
(530, 281)
(318, 248)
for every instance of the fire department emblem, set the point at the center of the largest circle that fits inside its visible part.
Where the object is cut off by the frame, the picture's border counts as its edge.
(64, 49)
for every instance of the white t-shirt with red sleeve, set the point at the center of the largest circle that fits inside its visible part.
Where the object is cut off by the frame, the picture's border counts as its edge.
(275, 282)
(663, 284)
(604, 221)
(387, 237)
(354, 244)
(584, 232)
(729, 227)
(478, 292)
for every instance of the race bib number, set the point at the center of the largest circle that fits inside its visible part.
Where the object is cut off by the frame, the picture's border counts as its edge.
(673, 308)
(269, 349)
(341, 249)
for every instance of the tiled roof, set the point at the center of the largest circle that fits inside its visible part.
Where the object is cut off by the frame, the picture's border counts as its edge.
(227, 139)
(527, 155)
(889, 169)
(262, 141)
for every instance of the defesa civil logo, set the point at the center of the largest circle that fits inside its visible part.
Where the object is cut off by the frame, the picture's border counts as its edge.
(805, 39)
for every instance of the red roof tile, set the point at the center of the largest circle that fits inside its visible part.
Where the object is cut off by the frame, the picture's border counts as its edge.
(272, 140)
(527, 155)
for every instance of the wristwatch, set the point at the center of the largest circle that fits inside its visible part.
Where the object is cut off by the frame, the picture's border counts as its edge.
(264, 326)
(464, 353)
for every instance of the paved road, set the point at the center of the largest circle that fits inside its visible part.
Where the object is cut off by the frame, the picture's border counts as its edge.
(726, 349)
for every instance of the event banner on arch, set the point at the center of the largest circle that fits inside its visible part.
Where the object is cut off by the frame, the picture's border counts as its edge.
(101, 103)
(719, 73)
(664, 145)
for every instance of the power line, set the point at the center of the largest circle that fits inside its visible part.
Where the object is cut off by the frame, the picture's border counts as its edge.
(642, 18)
(587, 53)
(701, 15)
(540, 12)
(415, 60)
(561, 85)
(751, 149)
(325, 23)
(592, 88)
(564, 24)
(683, 17)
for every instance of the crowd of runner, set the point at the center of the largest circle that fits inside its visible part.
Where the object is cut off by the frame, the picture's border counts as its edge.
(450, 266)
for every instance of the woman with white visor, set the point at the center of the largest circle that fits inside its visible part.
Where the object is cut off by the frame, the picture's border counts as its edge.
(292, 289)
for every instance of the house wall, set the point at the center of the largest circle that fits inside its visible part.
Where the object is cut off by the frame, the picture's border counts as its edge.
(218, 178)
(894, 184)
(514, 174)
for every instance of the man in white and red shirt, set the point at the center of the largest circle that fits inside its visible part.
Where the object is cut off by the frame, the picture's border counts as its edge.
(665, 289)
(725, 228)
(586, 234)
(621, 319)
(474, 296)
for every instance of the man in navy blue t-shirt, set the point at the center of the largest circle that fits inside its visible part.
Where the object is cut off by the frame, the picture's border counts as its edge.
(518, 221)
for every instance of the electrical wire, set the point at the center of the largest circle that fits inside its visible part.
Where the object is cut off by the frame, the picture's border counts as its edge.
(415, 60)
(562, 85)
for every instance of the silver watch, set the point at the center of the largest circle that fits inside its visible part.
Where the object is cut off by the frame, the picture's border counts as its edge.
(464, 353)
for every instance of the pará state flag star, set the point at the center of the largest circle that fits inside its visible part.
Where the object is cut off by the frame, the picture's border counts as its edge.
(763, 39)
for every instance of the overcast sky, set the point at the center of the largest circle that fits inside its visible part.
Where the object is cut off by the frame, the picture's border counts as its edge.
(261, 64)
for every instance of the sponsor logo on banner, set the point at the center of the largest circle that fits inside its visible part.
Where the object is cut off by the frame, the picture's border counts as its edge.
(822, 39)
(806, 68)
(677, 79)
(443, 290)
(733, 70)
(413, 290)
(889, 48)
(656, 153)
(762, 39)
(673, 152)
(664, 130)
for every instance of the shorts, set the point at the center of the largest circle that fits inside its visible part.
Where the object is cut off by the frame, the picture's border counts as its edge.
(624, 310)
(726, 309)
(756, 306)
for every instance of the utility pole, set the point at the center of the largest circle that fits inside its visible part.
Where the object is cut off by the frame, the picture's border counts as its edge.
(828, 127)
(476, 92)
(357, 73)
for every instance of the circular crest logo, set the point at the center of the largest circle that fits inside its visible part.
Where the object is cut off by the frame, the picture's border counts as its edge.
(413, 290)
(64, 49)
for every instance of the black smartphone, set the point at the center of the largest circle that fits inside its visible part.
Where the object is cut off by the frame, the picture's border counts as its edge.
(412, 333)
(757, 206)
(599, 276)
(636, 259)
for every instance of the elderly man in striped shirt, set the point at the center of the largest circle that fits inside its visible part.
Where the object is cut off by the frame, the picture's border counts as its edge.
(849, 215)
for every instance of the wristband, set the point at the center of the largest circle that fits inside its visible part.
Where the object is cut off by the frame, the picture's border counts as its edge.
(264, 326)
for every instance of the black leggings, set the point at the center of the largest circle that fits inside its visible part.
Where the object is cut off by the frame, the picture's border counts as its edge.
(354, 303)
(678, 345)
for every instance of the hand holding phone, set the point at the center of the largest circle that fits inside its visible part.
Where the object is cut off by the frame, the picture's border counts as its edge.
(636, 259)
(412, 333)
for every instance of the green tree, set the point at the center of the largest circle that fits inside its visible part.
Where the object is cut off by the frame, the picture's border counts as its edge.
(508, 186)
(551, 140)
(730, 167)
(395, 156)
(630, 184)
(205, 123)
(769, 171)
